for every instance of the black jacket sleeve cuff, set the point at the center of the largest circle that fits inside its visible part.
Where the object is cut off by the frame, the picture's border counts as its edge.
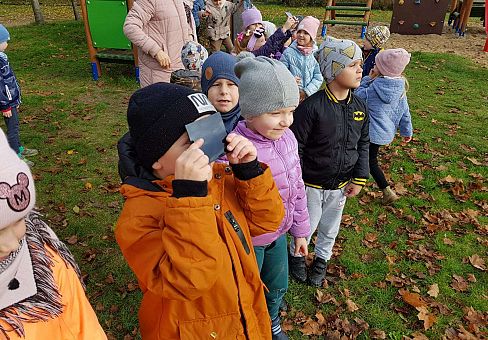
(188, 188)
(247, 171)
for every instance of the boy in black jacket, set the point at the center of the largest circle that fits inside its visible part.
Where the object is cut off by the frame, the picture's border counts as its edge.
(332, 129)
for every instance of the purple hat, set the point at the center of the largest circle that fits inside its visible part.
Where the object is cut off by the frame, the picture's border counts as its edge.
(392, 62)
(251, 16)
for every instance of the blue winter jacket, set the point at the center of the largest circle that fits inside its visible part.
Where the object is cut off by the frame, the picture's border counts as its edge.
(387, 106)
(9, 88)
(198, 5)
(369, 60)
(305, 67)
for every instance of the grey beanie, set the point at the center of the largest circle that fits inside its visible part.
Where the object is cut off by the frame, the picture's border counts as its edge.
(334, 55)
(266, 86)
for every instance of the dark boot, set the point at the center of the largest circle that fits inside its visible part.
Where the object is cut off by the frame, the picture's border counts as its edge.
(316, 275)
(298, 268)
(277, 333)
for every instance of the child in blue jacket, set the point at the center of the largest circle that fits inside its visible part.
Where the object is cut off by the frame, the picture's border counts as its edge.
(10, 100)
(299, 58)
(376, 38)
(384, 91)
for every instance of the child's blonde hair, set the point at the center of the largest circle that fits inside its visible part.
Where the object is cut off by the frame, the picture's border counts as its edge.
(407, 84)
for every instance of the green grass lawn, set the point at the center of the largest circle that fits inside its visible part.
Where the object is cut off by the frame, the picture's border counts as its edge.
(435, 235)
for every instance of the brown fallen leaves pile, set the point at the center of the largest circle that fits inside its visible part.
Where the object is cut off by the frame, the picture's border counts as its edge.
(343, 323)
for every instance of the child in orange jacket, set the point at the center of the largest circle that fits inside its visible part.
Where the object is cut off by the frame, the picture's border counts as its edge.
(186, 225)
(41, 295)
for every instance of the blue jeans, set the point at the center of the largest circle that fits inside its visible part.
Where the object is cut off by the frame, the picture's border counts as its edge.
(13, 135)
(273, 265)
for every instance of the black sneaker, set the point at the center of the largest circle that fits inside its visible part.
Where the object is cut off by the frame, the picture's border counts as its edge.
(298, 268)
(280, 336)
(276, 327)
(316, 274)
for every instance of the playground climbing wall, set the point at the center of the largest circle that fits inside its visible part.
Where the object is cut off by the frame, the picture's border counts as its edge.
(418, 16)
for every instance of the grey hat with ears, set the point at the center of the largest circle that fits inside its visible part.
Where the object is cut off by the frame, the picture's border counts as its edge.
(266, 86)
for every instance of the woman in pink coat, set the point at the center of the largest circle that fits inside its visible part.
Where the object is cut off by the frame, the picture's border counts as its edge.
(159, 28)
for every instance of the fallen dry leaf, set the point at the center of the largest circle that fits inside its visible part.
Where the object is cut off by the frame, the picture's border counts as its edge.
(377, 334)
(324, 298)
(287, 325)
(73, 239)
(400, 189)
(320, 317)
(459, 283)
(427, 317)
(474, 161)
(132, 286)
(448, 179)
(475, 319)
(109, 279)
(465, 335)
(433, 290)
(448, 241)
(477, 262)
(413, 299)
(351, 306)
(419, 336)
(311, 328)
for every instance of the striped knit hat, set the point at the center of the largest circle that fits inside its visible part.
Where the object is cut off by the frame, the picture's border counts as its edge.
(378, 36)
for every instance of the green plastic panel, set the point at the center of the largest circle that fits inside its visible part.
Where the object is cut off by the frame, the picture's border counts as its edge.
(106, 19)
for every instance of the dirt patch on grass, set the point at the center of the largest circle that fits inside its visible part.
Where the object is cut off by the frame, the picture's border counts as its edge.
(470, 46)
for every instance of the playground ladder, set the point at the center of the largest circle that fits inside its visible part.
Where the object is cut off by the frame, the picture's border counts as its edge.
(348, 7)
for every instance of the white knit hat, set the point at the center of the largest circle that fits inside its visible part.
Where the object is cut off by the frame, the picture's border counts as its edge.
(17, 192)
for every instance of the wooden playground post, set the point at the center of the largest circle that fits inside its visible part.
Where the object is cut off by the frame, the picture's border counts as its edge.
(95, 64)
(367, 15)
(331, 14)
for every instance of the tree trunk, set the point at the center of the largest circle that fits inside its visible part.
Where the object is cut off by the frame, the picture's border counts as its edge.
(37, 12)
(76, 11)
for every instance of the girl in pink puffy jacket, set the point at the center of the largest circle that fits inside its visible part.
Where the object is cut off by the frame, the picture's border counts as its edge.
(268, 96)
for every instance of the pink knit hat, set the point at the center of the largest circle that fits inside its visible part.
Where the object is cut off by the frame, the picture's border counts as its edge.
(251, 16)
(310, 25)
(392, 62)
(17, 192)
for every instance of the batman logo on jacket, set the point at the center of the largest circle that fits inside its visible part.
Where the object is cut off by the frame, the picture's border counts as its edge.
(358, 115)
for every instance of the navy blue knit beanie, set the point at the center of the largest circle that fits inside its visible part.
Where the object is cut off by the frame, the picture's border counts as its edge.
(219, 65)
(157, 115)
(4, 35)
